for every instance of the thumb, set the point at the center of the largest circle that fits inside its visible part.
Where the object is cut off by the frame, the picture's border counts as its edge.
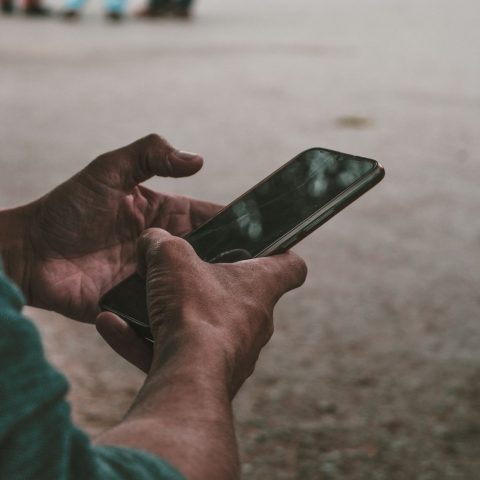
(152, 155)
(149, 241)
(280, 273)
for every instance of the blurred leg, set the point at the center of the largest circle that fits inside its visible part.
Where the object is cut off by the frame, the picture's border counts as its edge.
(115, 9)
(181, 8)
(155, 8)
(117, 6)
(7, 6)
(74, 5)
(35, 8)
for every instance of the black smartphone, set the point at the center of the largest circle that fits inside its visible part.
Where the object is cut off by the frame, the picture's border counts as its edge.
(269, 218)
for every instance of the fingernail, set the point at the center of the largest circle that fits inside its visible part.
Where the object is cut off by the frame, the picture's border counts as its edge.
(187, 155)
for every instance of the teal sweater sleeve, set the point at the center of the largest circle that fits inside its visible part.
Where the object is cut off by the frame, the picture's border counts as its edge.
(38, 440)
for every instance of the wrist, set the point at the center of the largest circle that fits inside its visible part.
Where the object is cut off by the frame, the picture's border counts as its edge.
(192, 356)
(14, 224)
(183, 412)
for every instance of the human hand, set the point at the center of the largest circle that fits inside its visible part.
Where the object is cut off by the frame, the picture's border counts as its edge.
(217, 313)
(81, 238)
(209, 322)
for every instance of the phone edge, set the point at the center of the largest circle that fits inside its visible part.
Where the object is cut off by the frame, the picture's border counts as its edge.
(328, 211)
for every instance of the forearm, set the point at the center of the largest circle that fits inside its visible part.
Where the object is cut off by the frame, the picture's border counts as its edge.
(183, 414)
(13, 229)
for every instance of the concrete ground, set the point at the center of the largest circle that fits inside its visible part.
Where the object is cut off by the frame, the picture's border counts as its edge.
(374, 369)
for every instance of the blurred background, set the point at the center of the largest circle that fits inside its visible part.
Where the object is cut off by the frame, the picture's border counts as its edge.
(374, 369)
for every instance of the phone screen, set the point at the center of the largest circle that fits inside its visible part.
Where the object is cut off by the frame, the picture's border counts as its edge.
(279, 203)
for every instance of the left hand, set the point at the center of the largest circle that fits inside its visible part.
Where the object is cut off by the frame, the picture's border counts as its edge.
(81, 237)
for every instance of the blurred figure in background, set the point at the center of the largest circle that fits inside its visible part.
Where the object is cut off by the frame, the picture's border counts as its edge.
(114, 9)
(163, 8)
(32, 7)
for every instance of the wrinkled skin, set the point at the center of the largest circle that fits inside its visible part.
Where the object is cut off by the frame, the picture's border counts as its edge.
(81, 238)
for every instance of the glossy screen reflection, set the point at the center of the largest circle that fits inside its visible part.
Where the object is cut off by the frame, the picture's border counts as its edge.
(279, 203)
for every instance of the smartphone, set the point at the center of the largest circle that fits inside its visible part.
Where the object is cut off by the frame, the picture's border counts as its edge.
(269, 218)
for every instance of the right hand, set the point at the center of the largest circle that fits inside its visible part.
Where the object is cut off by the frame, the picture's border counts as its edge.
(223, 312)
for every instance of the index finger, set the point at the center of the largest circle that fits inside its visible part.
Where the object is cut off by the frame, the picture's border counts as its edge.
(152, 155)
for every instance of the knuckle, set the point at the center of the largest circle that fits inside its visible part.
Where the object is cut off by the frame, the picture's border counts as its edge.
(149, 233)
(150, 237)
(151, 145)
(150, 243)
(168, 164)
(155, 150)
(154, 144)
(153, 140)
(100, 164)
(102, 158)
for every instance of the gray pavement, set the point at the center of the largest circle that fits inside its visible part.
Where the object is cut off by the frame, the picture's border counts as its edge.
(374, 370)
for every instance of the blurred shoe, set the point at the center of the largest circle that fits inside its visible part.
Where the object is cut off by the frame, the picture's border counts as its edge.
(152, 12)
(37, 11)
(7, 7)
(114, 16)
(70, 15)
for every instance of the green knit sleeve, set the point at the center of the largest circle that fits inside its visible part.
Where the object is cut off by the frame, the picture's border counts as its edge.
(37, 437)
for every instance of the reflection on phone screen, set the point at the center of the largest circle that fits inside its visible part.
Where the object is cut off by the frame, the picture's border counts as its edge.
(279, 203)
